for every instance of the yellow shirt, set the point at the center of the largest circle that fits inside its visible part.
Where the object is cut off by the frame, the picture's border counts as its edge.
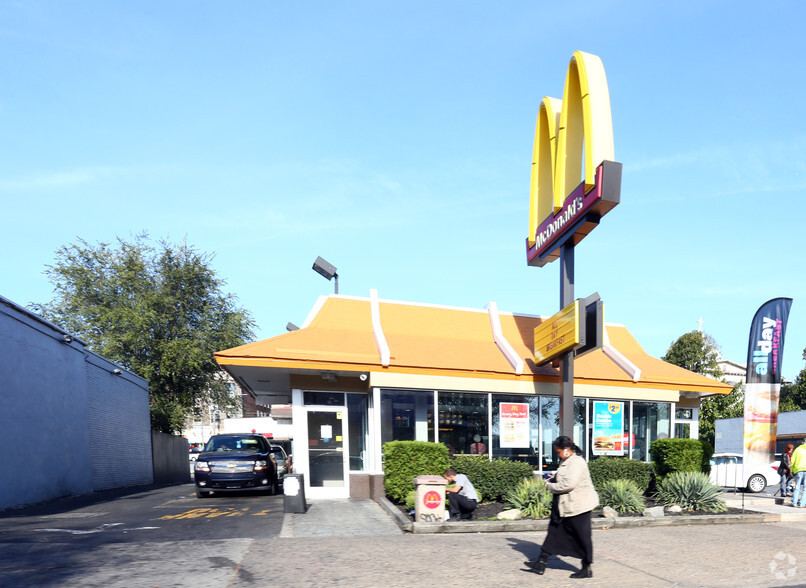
(799, 459)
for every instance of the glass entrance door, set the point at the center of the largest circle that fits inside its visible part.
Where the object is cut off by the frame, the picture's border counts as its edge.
(328, 471)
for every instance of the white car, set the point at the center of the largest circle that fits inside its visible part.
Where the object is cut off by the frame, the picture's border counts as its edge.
(727, 470)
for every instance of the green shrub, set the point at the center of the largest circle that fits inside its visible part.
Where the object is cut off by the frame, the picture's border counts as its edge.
(622, 495)
(676, 455)
(605, 469)
(411, 498)
(492, 479)
(707, 453)
(692, 491)
(532, 497)
(405, 460)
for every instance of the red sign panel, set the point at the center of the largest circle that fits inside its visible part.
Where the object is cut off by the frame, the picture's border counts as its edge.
(432, 499)
(510, 410)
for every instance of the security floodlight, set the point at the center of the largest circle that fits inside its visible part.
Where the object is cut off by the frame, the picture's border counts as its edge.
(291, 327)
(326, 270)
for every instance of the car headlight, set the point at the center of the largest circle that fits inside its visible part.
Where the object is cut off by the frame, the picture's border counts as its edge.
(260, 465)
(202, 466)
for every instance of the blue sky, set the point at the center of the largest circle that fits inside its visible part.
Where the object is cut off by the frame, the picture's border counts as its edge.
(394, 139)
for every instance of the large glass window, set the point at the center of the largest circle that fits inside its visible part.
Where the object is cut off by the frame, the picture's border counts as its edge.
(462, 418)
(407, 416)
(650, 421)
(518, 443)
(550, 425)
(357, 430)
(603, 437)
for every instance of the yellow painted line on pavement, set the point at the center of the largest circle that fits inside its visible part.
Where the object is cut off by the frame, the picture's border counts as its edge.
(211, 513)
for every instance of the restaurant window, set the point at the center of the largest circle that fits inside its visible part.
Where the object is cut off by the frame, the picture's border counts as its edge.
(357, 430)
(650, 421)
(407, 416)
(608, 428)
(462, 418)
(323, 398)
(516, 428)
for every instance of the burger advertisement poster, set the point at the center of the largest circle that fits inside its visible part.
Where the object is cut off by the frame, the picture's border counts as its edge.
(764, 354)
(608, 428)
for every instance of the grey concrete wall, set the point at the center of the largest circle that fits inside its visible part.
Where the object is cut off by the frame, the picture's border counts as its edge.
(171, 460)
(119, 423)
(47, 416)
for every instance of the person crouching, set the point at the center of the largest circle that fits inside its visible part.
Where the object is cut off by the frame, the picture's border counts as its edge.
(463, 498)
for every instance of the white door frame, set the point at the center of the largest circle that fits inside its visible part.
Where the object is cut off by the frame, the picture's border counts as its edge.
(323, 492)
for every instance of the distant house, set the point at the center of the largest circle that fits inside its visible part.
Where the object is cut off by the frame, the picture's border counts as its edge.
(734, 372)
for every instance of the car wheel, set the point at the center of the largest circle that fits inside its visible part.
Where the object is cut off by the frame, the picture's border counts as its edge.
(202, 493)
(756, 483)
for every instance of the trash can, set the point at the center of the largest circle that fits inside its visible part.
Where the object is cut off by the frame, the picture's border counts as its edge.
(294, 493)
(429, 499)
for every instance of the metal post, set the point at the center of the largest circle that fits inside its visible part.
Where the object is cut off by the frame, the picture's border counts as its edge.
(567, 358)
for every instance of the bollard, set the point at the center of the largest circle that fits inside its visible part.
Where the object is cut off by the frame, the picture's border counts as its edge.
(294, 491)
(429, 499)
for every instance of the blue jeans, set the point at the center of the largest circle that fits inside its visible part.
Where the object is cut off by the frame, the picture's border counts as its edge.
(784, 485)
(800, 489)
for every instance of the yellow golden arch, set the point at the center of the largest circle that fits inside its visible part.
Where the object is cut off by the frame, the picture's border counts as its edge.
(580, 123)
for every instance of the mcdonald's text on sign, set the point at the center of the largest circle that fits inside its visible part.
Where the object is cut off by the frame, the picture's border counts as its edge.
(562, 209)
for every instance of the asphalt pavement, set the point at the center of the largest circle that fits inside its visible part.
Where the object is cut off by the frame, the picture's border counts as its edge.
(357, 543)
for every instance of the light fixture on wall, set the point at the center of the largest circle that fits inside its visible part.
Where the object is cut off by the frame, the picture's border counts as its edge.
(116, 372)
(329, 376)
(291, 327)
(67, 338)
(326, 270)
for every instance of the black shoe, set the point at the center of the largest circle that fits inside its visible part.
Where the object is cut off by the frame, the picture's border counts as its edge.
(538, 565)
(585, 572)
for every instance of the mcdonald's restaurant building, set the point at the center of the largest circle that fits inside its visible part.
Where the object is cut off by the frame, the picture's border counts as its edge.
(365, 371)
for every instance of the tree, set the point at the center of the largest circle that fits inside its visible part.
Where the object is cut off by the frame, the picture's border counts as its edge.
(158, 311)
(698, 352)
(793, 395)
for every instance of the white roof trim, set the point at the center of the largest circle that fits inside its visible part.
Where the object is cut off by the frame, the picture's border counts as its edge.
(498, 336)
(616, 357)
(320, 302)
(377, 329)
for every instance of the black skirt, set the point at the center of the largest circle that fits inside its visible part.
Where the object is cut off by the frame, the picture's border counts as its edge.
(569, 535)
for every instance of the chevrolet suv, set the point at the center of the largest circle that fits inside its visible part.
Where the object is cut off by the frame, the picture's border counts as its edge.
(236, 462)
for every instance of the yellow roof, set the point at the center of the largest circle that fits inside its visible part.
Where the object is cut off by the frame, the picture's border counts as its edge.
(446, 341)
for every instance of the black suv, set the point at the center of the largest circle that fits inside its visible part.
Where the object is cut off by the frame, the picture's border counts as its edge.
(236, 462)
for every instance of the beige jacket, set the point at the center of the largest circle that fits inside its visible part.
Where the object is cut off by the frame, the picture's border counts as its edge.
(573, 483)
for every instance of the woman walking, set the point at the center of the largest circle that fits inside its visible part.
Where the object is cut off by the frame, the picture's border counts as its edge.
(574, 499)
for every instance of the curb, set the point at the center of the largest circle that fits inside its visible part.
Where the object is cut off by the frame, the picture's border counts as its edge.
(529, 525)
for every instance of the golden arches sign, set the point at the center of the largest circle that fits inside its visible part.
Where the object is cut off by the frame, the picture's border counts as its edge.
(562, 208)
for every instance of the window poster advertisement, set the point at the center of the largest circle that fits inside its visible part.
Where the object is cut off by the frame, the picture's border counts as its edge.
(514, 424)
(608, 428)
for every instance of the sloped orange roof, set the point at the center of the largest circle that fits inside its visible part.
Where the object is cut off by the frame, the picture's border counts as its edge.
(438, 340)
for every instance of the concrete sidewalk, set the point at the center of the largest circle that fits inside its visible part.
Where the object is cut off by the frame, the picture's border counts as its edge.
(673, 556)
(346, 518)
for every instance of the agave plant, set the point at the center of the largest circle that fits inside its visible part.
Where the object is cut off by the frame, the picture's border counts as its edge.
(531, 497)
(692, 491)
(622, 495)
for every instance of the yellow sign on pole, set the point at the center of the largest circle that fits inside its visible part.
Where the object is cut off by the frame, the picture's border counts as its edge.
(558, 334)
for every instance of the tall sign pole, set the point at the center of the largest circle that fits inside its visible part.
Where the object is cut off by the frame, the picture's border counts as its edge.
(563, 211)
(567, 358)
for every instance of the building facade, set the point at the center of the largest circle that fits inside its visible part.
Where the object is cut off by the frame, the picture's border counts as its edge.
(365, 371)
